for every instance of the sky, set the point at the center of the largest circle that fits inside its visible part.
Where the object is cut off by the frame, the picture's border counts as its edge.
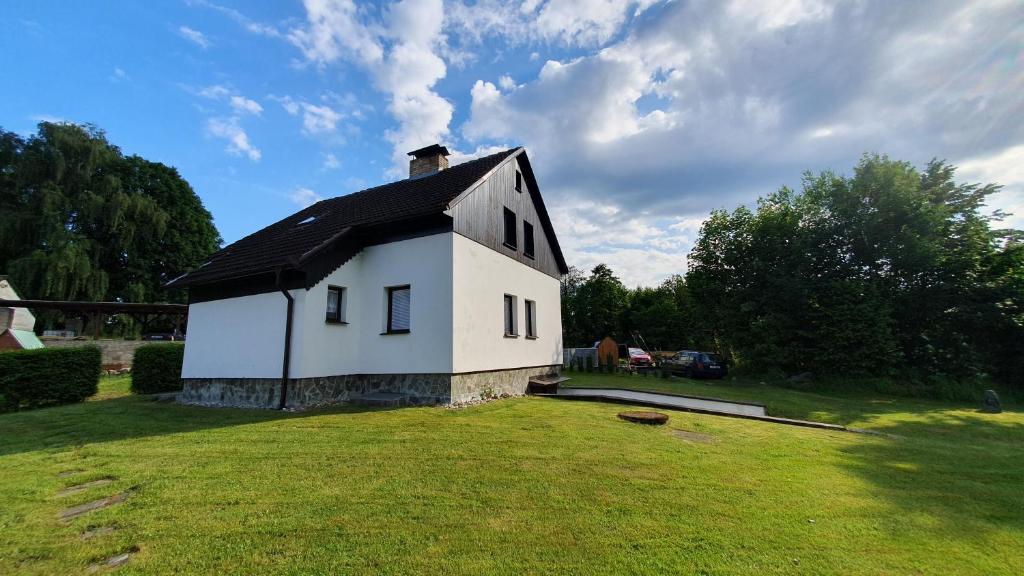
(639, 116)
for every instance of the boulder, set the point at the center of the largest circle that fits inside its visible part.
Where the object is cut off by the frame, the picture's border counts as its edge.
(991, 403)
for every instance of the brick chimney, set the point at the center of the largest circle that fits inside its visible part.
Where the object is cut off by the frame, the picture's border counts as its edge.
(427, 161)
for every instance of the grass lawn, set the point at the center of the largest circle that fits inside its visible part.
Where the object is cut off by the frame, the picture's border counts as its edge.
(527, 485)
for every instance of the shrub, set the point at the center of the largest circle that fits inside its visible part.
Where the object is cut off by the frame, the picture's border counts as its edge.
(48, 376)
(157, 368)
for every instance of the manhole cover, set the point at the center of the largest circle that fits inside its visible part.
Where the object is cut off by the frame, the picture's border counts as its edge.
(644, 417)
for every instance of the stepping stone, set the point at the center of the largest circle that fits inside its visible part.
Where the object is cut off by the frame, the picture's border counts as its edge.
(114, 561)
(76, 511)
(67, 473)
(83, 487)
(98, 531)
(656, 418)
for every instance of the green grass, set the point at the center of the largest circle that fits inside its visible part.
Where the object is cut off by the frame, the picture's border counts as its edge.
(527, 485)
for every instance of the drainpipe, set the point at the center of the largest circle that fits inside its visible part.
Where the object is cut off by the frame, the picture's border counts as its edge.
(287, 340)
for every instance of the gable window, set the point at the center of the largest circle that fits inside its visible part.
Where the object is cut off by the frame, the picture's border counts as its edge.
(398, 309)
(519, 181)
(527, 239)
(531, 319)
(336, 305)
(510, 316)
(511, 238)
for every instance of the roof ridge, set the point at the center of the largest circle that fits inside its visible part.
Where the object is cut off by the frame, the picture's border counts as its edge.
(465, 164)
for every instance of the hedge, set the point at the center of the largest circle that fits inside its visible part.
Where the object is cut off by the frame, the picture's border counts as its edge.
(48, 376)
(157, 368)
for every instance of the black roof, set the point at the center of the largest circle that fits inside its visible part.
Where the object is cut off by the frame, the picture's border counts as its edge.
(345, 221)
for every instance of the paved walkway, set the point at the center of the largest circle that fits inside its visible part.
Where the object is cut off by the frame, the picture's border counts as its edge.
(688, 403)
(668, 400)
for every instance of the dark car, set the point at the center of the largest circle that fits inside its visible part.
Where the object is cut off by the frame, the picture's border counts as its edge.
(693, 364)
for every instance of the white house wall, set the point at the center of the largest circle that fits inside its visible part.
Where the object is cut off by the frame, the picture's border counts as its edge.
(323, 349)
(236, 337)
(481, 279)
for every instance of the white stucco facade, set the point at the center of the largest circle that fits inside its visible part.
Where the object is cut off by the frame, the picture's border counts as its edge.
(482, 277)
(456, 318)
(235, 337)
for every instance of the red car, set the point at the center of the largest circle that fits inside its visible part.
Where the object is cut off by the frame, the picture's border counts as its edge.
(637, 358)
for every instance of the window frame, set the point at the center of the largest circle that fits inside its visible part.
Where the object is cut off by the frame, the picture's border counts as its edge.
(510, 315)
(339, 313)
(389, 319)
(519, 181)
(509, 216)
(529, 245)
(530, 308)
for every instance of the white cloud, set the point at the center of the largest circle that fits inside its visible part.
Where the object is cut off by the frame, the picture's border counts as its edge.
(242, 20)
(506, 82)
(245, 105)
(194, 36)
(710, 105)
(215, 92)
(304, 197)
(118, 75)
(773, 14)
(238, 140)
(331, 162)
(334, 31)
(319, 119)
(401, 55)
(1005, 168)
(288, 103)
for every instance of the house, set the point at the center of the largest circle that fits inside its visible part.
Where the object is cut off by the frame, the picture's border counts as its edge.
(443, 287)
(17, 325)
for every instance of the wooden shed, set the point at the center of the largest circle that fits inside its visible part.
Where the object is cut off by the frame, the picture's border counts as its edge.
(606, 347)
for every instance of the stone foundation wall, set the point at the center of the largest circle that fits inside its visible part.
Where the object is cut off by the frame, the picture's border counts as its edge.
(422, 389)
(476, 385)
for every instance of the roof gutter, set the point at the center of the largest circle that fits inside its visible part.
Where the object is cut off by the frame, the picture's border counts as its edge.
(286, 361)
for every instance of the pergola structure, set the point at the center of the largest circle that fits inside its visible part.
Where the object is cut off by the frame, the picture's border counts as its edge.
(142, 312)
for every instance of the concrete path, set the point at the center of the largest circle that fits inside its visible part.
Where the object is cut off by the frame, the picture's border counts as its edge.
(711, 406)
(668, 400)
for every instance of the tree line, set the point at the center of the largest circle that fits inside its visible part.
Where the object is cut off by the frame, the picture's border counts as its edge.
(891, 273)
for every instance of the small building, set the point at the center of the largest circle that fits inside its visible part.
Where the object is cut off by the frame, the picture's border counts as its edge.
(17, 325)
(606, 348)
(440, 288)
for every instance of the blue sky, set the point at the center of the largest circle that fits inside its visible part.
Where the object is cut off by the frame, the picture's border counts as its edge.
(639, 117)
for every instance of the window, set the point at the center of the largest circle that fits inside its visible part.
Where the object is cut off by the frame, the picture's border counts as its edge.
(531, 319)
(511, 238)
(336, 305)
(519, 181)
(510, 316)
(527, 239)
(398, 309)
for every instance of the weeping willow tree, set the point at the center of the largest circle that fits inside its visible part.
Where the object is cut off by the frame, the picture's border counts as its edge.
(81, 221)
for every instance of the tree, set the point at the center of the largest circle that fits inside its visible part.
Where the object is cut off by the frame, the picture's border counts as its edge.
(80, 221)
(890, 268)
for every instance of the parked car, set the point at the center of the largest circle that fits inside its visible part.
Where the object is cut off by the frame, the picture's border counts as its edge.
(693, 364)
(635, 357)
(163, 337)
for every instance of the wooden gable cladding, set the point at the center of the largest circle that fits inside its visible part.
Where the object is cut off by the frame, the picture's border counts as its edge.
(479, 216)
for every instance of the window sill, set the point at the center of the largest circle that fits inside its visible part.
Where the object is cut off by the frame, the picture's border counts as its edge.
(392, 332)
(510, 246)
(336, 322)
(530, 256)
(511, 335)
(531, 337)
